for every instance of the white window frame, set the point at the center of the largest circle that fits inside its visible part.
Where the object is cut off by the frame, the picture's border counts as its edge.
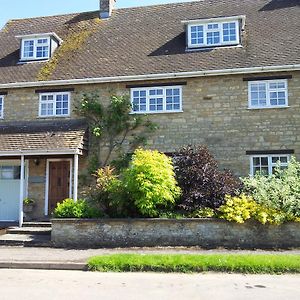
(54, 115)
(270, 163)
(268, 91)
(164, 110)
(220, 30)
(2, 107)
(35, 46)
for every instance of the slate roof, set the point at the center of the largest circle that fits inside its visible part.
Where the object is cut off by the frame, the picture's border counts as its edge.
(43, 135)
(151, 40)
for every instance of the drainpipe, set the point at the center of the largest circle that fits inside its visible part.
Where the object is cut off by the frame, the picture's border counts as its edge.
(75, 191)
(21, 191)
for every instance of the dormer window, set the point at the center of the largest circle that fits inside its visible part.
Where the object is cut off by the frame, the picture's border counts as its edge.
(38, 47)
(214, 32)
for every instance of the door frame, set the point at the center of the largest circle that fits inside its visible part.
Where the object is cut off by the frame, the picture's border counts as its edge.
(46, 209)
(17, 162)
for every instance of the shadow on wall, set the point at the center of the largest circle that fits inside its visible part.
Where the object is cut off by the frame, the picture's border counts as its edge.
(279, 4)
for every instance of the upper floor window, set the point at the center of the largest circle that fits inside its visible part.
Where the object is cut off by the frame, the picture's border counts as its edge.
(269, 93)
(54, 104)
(38, 47)
(213, 32)
(156, 99)
(1, 106)
(266, 164)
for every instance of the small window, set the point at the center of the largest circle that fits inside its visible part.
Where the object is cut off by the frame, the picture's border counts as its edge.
(266, 164)
(54, 104)
(1, 106)
(267, 94)
(156, 99)
(10, 172)
(34, 49)
(214, 34)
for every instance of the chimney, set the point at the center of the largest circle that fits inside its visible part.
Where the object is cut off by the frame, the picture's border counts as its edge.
(106, 8)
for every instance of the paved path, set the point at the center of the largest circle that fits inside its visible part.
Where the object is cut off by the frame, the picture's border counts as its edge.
(37, 284)
(52, 255)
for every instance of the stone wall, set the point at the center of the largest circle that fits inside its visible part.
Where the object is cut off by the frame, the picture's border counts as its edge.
(208, 233)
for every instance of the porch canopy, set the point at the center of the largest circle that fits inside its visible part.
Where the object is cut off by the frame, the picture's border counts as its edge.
(43, 139)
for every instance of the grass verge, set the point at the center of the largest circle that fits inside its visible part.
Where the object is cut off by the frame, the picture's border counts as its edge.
(188, 263)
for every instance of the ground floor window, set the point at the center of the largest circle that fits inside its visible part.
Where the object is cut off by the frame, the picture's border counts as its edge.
(10, 172)
(266, 164)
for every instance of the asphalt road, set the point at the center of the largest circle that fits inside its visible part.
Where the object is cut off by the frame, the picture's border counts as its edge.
(57, 285)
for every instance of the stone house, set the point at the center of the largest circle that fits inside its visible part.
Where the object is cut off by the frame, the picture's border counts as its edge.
(224, 73)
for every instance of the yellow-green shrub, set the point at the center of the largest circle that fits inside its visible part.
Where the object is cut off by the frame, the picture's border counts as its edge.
(243, 207)
(150, 181)
(238, 209)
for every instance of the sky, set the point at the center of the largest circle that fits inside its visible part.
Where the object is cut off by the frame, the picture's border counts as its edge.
(17, 9)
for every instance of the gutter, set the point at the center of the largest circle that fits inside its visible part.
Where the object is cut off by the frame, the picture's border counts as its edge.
(38, 152)
(283, 68)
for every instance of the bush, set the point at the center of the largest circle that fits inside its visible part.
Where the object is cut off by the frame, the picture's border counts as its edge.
(150, 181)
(109, 194)
(202, 183)
(241, 208)
(75, 209)
(238, 209)
(280, 191)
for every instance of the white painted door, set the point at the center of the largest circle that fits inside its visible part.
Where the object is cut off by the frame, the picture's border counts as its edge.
(9, 191)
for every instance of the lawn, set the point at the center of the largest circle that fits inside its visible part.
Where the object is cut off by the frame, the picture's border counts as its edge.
(188, 263)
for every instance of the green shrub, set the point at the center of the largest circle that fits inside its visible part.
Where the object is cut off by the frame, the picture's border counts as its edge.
(238, 209)
(204, 212)
(243, 207)
(150, 181)
(109, 194)
(280, 191)
(75, 209)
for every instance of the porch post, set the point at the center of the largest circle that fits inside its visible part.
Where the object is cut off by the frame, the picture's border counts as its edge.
(75, 186)
(21, 191)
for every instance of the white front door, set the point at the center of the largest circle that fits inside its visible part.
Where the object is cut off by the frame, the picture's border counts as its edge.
(9, 190)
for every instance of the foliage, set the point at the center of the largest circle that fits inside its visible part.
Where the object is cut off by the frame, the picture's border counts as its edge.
(182, 263)
(202, 183)
(204, 212)
(280, 191)
(241, 208)
(238, 209)
(28, 201)
(75, 209)
(150, 181)
(108, 194)
(112, 125)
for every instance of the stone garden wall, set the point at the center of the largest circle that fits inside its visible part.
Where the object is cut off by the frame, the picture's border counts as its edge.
(206, 233)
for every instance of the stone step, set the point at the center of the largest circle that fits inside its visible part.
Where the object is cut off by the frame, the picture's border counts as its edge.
(37, 224)
(29, 230)
(25, 240)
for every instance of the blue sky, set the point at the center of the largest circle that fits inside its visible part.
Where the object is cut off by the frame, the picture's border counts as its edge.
(16, 9)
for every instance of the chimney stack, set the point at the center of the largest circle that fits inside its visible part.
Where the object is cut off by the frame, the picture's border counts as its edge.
(106, 8)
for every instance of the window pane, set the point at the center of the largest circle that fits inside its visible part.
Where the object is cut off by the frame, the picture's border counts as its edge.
(229, 32)
(197, 35)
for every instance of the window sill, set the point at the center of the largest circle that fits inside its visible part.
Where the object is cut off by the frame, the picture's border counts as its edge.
(49, 117)
(268, 107)
(28, 61)
(155, 112)
(209, 48)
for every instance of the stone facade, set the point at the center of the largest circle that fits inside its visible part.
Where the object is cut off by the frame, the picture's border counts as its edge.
(210, 233)
(215, 113)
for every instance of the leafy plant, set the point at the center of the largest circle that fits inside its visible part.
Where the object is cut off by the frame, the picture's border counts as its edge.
(243, 207)
(75, 209)
(109, 195)
(202, 183)
(204, 212)
(113, 125)
(280, 191)
(28, 201)
(150, 181)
